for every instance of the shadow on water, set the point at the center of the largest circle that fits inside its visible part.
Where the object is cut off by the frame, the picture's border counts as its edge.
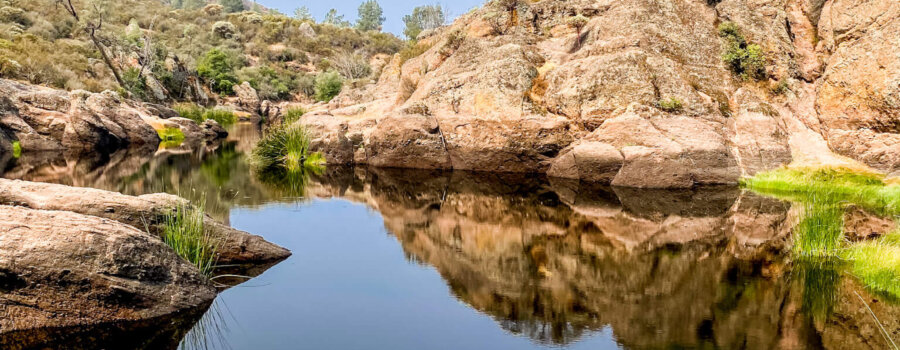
(556, 261)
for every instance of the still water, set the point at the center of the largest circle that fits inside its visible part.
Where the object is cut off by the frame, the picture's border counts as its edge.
(402, 259)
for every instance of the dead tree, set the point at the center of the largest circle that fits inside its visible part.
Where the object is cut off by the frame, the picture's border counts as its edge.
(91, 28)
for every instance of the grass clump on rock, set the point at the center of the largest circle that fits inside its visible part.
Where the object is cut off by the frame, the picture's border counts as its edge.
(183, 230)
(742, 57)
(200, 114)
(286, 148)
(292, 115)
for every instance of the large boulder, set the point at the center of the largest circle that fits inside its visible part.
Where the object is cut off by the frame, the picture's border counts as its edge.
(147, 211)
(63, 269)
(247, 97)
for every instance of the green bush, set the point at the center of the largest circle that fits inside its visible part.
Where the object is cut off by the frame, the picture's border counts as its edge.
(286, 148)
(219, 68)
(743, 58)
(271, 83)
(328, 85)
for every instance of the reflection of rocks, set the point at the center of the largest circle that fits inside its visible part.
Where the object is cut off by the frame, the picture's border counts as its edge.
(555, 261)
(158, 333)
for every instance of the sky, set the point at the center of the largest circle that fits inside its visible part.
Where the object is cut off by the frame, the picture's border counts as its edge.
(394, 10)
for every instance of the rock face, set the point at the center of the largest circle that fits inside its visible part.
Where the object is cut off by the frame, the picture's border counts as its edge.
(44, 119)
(237, 247)
(522, 91)
(63, 269)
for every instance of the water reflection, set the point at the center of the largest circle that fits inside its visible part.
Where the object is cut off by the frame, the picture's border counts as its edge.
(552, 260)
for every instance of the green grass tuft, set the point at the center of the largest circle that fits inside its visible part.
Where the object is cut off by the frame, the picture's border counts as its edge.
(877, 263)
(287, 148)
(293, 114)
(183, 230)
(200, 114)
(16, 149)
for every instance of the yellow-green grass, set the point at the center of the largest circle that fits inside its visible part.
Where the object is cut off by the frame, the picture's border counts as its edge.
(16, 149)
(170, 134)
(292, 115)
(824, 193)
(877, 263)
(200, 114)
(829, 185)
(183, 230)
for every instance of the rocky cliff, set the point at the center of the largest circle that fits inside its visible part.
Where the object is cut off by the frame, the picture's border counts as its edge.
(637, 94)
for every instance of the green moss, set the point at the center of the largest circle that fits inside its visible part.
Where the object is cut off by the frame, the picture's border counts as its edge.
(671, 105)
(16, 149)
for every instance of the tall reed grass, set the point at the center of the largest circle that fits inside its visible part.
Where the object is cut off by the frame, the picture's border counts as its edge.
(183, 230)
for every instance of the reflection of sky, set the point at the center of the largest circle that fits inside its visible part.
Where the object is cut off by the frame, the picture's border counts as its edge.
(394, 10)
(348, 286)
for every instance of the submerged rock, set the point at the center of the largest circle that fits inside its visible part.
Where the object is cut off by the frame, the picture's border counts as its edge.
(237, 247)
(64, 269)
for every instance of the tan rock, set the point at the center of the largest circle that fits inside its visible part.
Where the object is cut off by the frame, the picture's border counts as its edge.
(62, 269)
(141, 212)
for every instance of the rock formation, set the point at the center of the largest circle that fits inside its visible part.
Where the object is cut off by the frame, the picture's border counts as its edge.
(521, 90)
(145, 212)
(63, 269)
(44, 119)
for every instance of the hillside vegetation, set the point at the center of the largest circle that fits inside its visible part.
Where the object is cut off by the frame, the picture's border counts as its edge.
(185, 50)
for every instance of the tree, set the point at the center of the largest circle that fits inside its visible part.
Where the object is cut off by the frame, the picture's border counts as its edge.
(232, 5)
(91, 27)
(371, 16)
(333, 18)
(423, 18)
(578, 22)
(303, 14)
(217, 66)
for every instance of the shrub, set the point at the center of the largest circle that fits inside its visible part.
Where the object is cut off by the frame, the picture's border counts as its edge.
(671, 105)
(183, 230)
(413, 50)
(743, 58)
(287, 148)
(224, 29)
(271, 83)
(328, 85)
(218, 67)
(351, 65)
(454, 40)
(135, 83)
(190, 111)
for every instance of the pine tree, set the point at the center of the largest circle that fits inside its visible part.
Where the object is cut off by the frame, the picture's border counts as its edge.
(335, 19)
(371, 16)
